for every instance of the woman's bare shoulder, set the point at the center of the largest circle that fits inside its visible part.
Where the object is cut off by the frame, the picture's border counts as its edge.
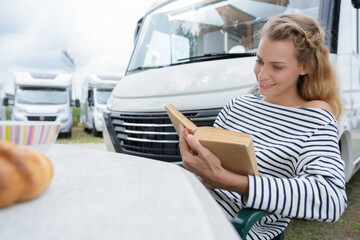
(317, 104)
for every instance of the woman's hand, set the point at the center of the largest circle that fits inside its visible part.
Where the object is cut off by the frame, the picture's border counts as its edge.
(206, 166)
(198, 159)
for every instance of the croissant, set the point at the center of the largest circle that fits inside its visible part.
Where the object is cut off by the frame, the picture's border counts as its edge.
(24, 173)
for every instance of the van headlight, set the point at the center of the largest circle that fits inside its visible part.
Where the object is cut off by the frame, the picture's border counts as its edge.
(109, 103)
(62, 110)
(20, 110)
(100, 110)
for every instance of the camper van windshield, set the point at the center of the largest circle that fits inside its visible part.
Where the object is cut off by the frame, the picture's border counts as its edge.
(102, 96)
(186, 31)
(27, 95)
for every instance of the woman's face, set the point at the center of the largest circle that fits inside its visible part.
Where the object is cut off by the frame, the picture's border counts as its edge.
(277, 71)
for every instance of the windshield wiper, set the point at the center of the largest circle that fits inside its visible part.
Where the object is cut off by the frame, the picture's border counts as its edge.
(142, 68)
(49, 103)
(25, 101)
(216, 56)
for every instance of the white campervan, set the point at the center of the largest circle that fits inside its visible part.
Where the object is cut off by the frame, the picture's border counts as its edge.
(43, 97)
(96, 90)
(2, 108)
(197, 55)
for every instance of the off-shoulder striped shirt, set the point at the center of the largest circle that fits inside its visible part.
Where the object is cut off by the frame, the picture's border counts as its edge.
(301, 170)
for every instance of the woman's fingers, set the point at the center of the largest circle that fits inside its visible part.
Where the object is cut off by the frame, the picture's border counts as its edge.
(197, 147)
(183, 145)
(185, 150)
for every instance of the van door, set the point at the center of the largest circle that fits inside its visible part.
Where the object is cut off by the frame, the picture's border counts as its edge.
(90, 108)
(355, 81)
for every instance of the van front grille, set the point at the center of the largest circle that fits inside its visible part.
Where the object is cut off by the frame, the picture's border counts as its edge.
(151, 135)
(42, 118)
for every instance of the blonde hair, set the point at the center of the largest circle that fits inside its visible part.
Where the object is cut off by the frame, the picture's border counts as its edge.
(320, 82)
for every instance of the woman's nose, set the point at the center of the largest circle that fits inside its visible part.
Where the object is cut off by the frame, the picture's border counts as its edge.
(263, 73)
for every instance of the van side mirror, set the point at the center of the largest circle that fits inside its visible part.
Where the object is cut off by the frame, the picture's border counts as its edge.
(91, 102)
(356, 3)
(6, 102)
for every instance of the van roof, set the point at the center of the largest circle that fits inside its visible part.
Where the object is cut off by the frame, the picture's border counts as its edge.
(103, 81)
(157, 4)
(43, 79)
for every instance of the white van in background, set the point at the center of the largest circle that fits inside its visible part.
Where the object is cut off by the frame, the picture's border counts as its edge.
(96, 90)
(2, 108)
(43, 97)
(197, 55)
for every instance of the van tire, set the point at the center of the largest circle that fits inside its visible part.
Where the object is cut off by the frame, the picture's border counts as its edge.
(94, 132)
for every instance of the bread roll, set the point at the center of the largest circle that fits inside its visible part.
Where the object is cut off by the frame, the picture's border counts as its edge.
(24, 173)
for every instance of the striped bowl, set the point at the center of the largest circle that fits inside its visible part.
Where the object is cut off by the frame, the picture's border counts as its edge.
(38, 135)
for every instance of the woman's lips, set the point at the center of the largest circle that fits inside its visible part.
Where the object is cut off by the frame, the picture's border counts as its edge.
(265, 86)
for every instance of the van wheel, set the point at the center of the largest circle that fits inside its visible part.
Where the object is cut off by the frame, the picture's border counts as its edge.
(94, 132)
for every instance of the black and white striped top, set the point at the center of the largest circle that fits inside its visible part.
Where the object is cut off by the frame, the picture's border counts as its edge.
(301, 170)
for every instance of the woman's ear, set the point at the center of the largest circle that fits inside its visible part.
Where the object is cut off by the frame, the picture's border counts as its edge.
(303, 70)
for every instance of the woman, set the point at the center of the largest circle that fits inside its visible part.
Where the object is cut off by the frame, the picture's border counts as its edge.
(294, 129)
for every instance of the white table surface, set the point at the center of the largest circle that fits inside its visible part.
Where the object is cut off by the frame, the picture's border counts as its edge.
(103, 195)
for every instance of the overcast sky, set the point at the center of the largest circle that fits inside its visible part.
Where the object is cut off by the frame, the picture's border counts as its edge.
(97, 34)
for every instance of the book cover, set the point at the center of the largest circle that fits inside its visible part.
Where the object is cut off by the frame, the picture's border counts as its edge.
(234, 149)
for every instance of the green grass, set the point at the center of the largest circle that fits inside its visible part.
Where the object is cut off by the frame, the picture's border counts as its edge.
(76, 116)
(347, 228)
(8, 112)
(79, 136)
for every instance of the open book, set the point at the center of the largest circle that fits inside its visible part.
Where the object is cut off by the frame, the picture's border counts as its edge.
(234, 149)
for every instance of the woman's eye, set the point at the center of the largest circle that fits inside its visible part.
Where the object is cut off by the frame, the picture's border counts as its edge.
(277, 67)
(259, 61)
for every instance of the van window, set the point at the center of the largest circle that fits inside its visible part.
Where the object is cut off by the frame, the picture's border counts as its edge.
(103, 96)
(187, 31)
(161, 55)
(33, 95)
